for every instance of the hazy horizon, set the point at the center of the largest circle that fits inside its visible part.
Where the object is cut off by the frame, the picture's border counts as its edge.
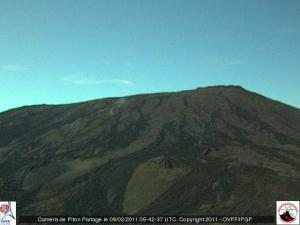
(57, 52)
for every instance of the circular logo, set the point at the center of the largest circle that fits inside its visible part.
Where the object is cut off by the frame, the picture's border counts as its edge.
(288, 212)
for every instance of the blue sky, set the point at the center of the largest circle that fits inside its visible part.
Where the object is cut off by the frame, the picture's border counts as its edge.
(62, 51)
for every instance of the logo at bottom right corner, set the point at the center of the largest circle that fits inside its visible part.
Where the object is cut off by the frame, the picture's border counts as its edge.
(287, 212)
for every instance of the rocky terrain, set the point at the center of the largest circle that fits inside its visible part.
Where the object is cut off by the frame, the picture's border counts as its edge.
(216, 150)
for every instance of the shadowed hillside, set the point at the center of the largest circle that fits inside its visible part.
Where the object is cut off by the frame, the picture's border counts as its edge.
(216, 150)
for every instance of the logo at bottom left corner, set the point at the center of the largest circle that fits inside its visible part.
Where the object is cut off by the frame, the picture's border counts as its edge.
(8, 213)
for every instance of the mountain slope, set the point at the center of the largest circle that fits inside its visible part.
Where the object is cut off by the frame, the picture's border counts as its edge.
(216, 150)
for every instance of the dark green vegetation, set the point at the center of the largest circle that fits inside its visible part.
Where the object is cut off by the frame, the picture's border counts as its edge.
(217, 150)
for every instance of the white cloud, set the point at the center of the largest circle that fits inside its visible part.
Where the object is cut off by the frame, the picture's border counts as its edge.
(12, 67)
(80, 80)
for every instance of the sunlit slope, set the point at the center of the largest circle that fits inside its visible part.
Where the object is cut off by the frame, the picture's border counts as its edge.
(150, 180)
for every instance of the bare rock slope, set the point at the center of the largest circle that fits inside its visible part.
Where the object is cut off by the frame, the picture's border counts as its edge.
(215, 150)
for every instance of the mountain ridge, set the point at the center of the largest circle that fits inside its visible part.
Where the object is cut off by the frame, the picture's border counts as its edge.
(155, 93)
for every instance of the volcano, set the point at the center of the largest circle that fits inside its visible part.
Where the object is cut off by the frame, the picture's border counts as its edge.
(218, 150)
(286, 217)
